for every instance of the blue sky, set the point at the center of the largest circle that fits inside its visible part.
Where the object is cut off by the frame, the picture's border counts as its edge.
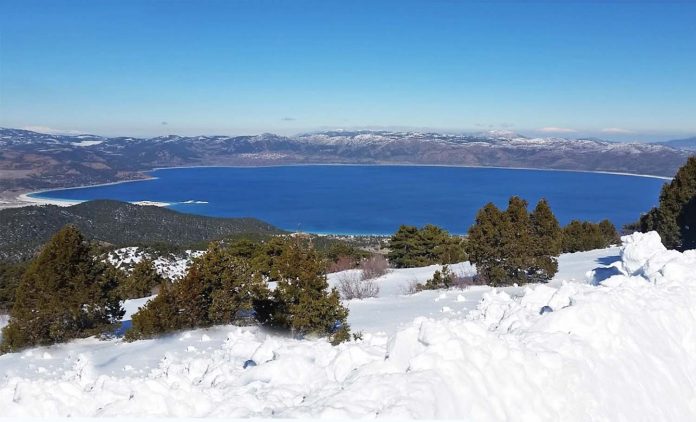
(618, 70)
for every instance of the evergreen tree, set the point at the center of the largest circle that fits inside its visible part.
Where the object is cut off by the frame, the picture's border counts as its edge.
(265, 257)
(486, 243)
(546, 242)
(412, 247)
(431, 239)
(581, 236)
(404, 250)
(675, 211)
(159, 315)
(141, 280)
(303, 301)
(517, 241)
(687, 223)
(442, 279)
(609, 233)
(65, 293)
(514, 246)
(10, 275)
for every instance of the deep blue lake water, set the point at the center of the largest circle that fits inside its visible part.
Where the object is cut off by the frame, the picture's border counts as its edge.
(377, 199)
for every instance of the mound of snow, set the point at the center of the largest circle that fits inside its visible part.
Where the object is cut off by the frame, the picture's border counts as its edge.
(619, 350)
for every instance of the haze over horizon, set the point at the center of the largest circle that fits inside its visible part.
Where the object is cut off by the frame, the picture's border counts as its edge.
(148, 68)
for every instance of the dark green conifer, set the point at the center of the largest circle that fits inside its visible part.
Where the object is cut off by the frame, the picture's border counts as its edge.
(304, 302)
(609, 233)
(442, 279)
(486, 243)
(141, 281)
(546, 242)
(517, 248)
(65, 293)
(159, 315)
(674, 216)
(404, 250)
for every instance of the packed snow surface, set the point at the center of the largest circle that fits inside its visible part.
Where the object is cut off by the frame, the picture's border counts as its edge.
(618, 343)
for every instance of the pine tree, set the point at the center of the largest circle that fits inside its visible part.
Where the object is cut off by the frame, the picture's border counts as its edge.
(579, 236)
(429, 239)
(10, 275)
(486, 243)
(141, 280)
(233, 301)
(404, 249)
(609, 233)
(546, 242)
(517, 247)
(159, 315)
(675, 211)
(303, 301)
(65, 293)
(412, 247)
(442, 279)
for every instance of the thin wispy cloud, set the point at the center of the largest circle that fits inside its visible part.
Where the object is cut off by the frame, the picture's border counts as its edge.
(616, 130)
(552, 129)
(288, 119)
(53, 131)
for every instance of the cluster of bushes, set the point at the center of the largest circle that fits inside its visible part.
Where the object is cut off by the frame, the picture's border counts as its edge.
(413, 247)
(579, 236)
(675, 216)
(69, 292)
(229, 285)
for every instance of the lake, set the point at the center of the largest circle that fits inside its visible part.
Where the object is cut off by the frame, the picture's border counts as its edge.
(353, 199)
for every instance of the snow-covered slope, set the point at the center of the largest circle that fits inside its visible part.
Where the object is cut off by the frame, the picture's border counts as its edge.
(170, 266)
(622, 349)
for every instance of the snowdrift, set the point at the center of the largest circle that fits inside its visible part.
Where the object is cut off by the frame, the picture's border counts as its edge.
(620, 348)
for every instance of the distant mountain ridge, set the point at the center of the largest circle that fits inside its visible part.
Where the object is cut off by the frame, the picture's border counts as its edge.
(686, 143)
(31, 160)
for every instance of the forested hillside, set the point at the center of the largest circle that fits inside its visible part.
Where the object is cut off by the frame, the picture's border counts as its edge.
(24, 230)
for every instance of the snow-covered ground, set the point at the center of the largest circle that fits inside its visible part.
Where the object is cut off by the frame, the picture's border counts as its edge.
(616, 348)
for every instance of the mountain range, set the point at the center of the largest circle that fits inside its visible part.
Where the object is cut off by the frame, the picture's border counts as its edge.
(31, 160)
(686, 143)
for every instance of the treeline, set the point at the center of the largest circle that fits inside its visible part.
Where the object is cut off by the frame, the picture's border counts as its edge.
(675, 216)
(67, 292)
(516, 246)
(510, 246)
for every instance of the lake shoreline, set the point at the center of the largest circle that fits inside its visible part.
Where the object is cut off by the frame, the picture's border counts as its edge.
(40, 197)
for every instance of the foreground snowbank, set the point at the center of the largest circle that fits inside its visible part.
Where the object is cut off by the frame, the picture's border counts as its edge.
(624, 349)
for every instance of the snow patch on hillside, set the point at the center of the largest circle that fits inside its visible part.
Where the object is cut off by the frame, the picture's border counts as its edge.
(622, 349)
(170, 266)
